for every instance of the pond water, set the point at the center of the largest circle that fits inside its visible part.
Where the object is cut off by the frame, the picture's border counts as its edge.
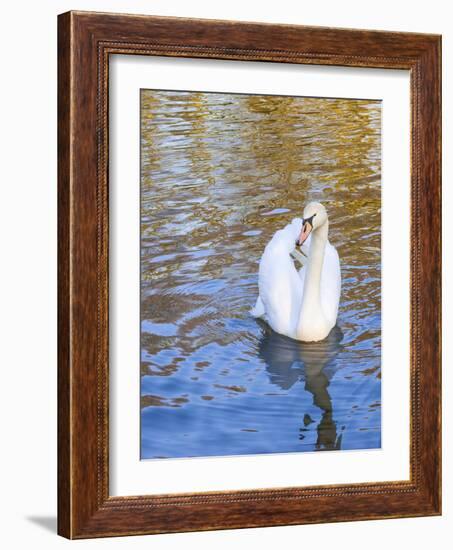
(220, 173)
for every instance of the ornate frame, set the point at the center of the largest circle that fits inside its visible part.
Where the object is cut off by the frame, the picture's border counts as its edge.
(85, 41)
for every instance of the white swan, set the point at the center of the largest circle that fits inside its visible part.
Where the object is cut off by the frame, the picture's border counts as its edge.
(302, 305)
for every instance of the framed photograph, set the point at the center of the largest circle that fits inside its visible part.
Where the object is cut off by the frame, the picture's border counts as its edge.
(249, 275)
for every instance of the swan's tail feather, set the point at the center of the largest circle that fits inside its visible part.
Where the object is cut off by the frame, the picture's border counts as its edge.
(258, 310)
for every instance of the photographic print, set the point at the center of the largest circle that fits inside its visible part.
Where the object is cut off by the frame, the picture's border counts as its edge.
(260, 246)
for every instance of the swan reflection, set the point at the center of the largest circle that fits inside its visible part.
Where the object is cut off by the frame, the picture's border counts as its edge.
(313, 364)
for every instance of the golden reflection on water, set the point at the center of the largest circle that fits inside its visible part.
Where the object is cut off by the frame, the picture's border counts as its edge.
(220, 173)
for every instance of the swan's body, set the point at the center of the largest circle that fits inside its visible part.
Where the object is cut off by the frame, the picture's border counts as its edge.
(302, 305)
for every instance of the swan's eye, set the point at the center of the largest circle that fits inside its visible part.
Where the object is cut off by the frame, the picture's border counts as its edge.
(309, 220)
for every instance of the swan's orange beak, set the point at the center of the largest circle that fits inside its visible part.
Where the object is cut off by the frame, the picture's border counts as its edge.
(306, 230)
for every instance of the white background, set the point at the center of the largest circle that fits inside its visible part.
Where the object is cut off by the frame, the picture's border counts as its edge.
(129, 476)
(28, 270)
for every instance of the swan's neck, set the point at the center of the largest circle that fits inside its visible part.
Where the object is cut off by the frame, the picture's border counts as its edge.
(311, 314)
(312, 286)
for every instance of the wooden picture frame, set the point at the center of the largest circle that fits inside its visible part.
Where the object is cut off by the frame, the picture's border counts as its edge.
(85, 42)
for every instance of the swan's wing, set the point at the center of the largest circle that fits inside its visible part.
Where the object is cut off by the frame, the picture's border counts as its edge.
(280, 290)
(331, 284)
(258, 311)
(281, 293)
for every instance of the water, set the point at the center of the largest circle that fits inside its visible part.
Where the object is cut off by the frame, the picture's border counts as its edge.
(220, 174)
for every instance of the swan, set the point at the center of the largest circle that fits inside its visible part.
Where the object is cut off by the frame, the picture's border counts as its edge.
(302, 305)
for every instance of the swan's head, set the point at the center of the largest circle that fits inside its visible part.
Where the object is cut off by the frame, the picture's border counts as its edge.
(315, 216)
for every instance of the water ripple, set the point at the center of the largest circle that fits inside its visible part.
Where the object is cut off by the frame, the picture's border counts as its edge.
(220, 174)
